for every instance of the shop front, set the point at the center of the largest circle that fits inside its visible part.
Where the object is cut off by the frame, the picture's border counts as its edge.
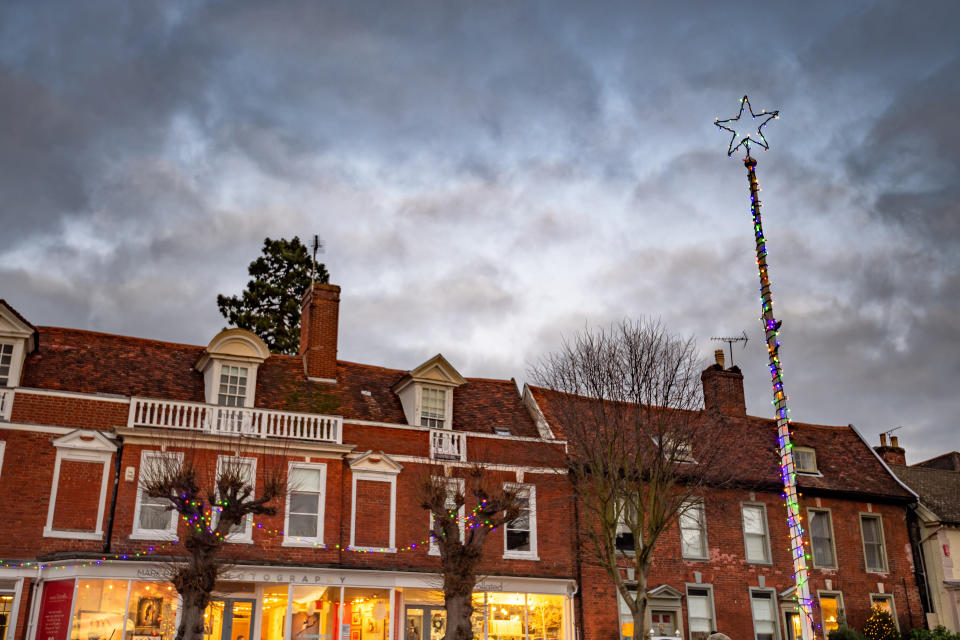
(264, 603)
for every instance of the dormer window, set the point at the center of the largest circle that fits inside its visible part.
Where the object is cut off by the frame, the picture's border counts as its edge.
(427, 393)
(229, 367)
(433, 405)
(17, 338)
(233, 386)
(805, 460)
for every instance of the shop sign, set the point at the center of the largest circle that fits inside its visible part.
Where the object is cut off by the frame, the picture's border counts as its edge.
(292, 578)
(54, 619)
(489, 586)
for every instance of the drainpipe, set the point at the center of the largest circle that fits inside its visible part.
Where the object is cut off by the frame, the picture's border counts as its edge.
(113, 500)
(576, 534)
(30, 629)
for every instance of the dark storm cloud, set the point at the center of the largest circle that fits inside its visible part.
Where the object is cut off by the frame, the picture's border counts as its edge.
(487, 178)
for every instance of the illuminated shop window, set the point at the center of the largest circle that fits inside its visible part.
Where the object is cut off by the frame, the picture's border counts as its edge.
(831, 610)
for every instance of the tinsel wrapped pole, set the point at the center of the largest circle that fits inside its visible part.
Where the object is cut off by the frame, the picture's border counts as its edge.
(785, 447)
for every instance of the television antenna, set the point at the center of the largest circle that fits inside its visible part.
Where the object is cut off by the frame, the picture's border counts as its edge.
(313, 268)
(730, 340)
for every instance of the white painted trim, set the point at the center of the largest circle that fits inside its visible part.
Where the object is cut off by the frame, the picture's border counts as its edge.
(833, 540)
(829, 593)
(472, 434)
(893, 606)
(74, 394)
(492, 466)
(372, 476)
(766, 532)
(528, 401)
(323, 380)
(35, 428)
(300, 541)
(532, 497)
(15, 609)
(3, 448)
(713, 602)
(170, 532)
(247, 536)
(460, 486)
(695, 503)
(775, 610)
(68, 450)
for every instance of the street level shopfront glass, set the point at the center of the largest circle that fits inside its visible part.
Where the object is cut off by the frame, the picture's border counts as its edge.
(496, 616)
(131, 610)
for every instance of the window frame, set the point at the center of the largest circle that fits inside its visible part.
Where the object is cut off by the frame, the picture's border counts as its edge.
(624, 527)
(73, 447)
(139, 533)
(712, 607)
(833, 539)
(445, 423)
(306, 541)
(3, 451)
(459, 484)
(774, 610)
(531, 554)
(841, 612)
(766, 533)
(687, 505)
(893, 607)
(248, 390)
(13, 370)
(885, 568)
(813, 452)
(374, 476)
(245, 536)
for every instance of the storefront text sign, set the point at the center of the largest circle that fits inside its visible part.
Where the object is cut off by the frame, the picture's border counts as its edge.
(271, 576)
(54, 620)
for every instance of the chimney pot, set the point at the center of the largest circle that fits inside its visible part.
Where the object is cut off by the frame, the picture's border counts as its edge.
(894, 442)
(718, 356)
(883, 439)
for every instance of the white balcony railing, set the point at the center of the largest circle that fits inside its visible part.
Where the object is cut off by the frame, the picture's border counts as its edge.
(214, 419)
(447, 445)
(6, 403)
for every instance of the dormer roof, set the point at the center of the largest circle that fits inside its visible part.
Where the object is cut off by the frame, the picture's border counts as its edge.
(14, 325)
(435, 371)
(375, 462)
(235, 344)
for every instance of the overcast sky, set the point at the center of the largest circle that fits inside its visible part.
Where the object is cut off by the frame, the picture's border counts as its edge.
(490, 176)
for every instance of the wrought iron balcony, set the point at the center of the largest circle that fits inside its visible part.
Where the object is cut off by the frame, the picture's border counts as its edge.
(241, 421)
(448, 445)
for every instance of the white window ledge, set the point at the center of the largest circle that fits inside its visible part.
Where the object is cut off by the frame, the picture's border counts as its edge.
(76, 535)
(374, 549)
(520, 556)
(159, 536)
(303, 544)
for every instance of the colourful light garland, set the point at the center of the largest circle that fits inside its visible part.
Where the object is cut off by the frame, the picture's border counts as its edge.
(772, 330)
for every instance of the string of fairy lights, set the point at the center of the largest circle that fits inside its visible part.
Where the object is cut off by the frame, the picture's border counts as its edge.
(772, 331)
(206, 520)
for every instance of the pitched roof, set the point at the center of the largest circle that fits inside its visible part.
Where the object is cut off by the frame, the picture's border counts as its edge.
(939, 489)
(846, 463)
(949, 461)
(91, 362)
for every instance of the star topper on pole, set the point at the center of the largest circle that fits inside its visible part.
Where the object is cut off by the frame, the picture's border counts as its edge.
(755, 135)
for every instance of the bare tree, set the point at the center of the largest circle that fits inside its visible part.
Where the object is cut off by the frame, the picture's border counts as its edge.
(459, 539)
(628, 401)
(214, 495)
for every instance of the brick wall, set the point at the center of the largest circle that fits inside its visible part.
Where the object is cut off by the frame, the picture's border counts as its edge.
(371, 519)
(67, 411)
(731, 576)
(78, 496)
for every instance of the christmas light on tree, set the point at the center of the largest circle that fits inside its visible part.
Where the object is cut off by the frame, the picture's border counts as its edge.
(772, 331)
(880, 625)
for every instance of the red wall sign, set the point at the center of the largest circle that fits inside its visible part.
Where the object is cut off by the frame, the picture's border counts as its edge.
(54, 620)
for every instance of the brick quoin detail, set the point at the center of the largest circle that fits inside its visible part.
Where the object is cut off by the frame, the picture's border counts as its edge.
(372, 518)
(78, 493)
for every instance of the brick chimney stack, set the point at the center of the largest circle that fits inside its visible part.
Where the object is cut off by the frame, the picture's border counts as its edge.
(319, 317)
(893, 454)
(723, 388)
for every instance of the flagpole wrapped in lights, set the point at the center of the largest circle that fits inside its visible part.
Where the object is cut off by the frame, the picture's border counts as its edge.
(772, 329)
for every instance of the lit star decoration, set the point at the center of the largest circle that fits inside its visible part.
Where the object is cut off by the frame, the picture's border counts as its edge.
(756, 132)
(771, 328)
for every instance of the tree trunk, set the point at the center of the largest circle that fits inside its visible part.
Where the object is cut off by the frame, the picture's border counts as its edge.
(639, 619)
(459, 612)
(194, 602)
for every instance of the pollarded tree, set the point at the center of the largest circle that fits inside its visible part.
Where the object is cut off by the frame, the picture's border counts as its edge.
(461, 552)
(628, 402)
(215, 495)
(270, 305)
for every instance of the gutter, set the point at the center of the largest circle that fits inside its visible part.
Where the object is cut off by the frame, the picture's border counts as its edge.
(113, 500)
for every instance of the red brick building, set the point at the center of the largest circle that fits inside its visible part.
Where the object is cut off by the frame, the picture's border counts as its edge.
(733, 570)
(83, 416)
